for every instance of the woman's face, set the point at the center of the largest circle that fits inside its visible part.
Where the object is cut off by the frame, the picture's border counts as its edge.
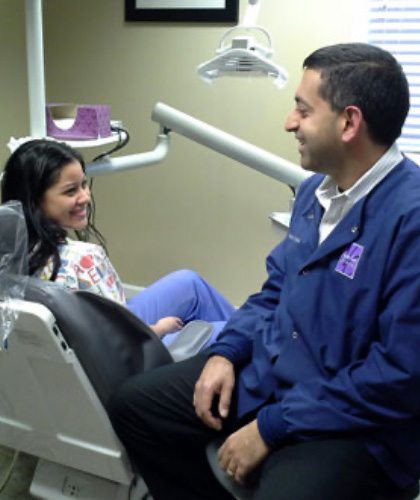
(66, 202)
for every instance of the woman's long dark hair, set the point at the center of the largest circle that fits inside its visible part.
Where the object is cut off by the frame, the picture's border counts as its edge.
(32, 169)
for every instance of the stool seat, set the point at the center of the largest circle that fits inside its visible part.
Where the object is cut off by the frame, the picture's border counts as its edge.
(409, 493)
(246, 492)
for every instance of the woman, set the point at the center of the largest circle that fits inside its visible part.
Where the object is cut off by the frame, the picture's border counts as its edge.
(49, 179)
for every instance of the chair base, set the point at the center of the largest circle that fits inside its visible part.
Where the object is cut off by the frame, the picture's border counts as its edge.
(53, 481)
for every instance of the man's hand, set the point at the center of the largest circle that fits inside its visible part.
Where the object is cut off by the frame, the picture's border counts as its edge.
(216, 379)
(242, 452)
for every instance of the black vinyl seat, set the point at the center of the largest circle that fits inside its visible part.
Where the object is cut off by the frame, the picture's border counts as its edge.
(244, 492)
(111, 343)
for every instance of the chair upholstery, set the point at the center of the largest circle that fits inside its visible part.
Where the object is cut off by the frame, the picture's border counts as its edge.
(67, 353)
(13, 240)
(110, 342)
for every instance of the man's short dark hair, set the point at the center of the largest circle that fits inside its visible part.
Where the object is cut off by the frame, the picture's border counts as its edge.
(362, 75)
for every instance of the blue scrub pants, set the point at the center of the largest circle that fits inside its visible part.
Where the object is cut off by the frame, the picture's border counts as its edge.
(185, 294)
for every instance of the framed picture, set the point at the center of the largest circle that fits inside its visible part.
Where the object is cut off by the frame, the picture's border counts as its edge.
(197, 11)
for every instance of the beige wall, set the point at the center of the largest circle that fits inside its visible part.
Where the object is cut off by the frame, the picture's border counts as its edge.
(197, 209)
(14, 118)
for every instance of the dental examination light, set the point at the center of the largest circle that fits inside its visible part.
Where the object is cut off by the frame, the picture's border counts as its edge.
(211, 137)
(168, 118)
(244, 56)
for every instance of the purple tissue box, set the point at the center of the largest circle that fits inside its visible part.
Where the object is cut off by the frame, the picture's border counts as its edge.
(78, 121)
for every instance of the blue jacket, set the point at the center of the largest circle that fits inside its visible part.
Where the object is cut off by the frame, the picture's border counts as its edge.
(333, 338)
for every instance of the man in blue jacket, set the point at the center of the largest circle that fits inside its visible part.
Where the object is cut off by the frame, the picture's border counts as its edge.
(315, 381)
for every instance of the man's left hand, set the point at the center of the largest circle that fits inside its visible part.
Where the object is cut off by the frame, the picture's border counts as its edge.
(242, 452)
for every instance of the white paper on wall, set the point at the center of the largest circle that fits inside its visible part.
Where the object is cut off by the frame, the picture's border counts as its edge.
(180, 4)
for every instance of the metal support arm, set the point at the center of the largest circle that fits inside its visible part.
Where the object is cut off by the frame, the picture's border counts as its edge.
(129, 162)
(244, 152)
(170, 119)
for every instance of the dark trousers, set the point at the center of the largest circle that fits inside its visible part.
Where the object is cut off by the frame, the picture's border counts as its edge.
(153, 416)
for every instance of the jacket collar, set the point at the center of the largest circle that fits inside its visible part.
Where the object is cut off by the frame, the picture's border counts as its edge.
(349, 229)
(344, 234)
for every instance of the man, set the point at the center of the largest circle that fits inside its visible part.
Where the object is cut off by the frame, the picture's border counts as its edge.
(315, 382)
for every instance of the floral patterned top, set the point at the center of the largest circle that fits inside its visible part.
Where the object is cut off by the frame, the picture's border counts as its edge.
(85, 266)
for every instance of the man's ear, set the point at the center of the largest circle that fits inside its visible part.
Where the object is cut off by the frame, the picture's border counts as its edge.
(353, 120)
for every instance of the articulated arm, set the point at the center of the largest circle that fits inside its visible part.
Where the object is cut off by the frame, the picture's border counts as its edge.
(213, 138)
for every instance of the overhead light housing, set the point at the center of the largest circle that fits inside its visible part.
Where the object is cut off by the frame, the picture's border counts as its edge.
(240, 54)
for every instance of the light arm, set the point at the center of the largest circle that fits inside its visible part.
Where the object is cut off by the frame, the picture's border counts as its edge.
(109, 165)
(213, 138)
(228, 145)
(251, 13)
(169, 118)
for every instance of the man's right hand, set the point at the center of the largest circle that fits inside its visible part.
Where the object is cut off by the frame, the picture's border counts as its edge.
(216, 379)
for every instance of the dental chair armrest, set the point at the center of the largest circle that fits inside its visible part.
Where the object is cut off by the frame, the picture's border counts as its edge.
(190, 340)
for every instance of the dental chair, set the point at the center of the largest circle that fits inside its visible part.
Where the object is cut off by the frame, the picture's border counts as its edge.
(65, 355)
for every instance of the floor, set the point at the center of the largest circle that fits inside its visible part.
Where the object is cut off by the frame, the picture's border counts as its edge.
(18, 486)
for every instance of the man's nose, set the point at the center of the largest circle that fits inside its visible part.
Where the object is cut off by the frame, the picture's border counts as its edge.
(291, 123)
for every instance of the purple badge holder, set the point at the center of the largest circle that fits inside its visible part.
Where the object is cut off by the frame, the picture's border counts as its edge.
(78, 122)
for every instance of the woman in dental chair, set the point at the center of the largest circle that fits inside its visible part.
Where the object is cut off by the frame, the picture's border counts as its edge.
(49, 179)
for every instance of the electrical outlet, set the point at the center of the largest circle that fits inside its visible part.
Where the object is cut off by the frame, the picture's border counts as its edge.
(71, 488)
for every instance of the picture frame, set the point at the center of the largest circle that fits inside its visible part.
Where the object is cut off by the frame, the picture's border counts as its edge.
(197, 11)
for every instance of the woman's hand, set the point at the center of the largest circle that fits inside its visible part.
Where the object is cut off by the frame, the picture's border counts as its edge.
(166, 325)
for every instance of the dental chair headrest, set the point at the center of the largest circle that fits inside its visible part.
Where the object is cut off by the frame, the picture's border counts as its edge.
(110, 342)
(13, 244)
(13, 237)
